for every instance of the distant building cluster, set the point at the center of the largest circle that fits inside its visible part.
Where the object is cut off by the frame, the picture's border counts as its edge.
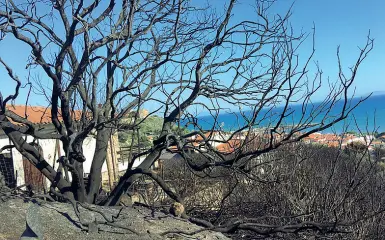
(343, 140)
(226, 142)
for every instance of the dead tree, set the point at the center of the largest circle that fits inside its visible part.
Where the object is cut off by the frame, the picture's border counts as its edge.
(252, 64)
(109, 58)
(123, 46)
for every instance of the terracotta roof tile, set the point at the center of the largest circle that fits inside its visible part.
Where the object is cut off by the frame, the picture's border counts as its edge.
(39, 114)
(230, 146)
(208, 135)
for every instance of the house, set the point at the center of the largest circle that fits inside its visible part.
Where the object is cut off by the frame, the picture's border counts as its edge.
(18, 171)
(334, 140)
(214, 138)
(230, 146)
(200, 142)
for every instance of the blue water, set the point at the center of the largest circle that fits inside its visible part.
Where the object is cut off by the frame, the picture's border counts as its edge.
(369, 116)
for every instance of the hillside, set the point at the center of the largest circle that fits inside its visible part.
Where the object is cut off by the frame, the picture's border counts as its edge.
(147, 129)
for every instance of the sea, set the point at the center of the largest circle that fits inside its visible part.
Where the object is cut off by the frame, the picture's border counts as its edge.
(368, 117)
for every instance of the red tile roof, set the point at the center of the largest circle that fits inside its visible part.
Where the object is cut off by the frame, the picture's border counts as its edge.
(229, 146)
(39, 114)
(200, 138)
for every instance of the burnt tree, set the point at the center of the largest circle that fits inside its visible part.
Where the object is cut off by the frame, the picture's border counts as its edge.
(107, 59)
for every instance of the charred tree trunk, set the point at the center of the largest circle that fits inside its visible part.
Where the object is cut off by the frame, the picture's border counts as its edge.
(78, 187)
(100, 155)
(129, 178)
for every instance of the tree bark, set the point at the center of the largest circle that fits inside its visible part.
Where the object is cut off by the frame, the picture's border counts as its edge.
(100, 155)
(78, 184)
(129, 178)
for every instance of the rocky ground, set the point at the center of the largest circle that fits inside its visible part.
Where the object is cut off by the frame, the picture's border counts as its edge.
(52, 220)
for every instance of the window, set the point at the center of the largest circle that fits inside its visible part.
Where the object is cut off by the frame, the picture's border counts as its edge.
(7, 170)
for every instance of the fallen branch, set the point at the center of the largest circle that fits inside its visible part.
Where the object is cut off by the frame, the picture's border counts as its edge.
(264, 229)
(106, 221)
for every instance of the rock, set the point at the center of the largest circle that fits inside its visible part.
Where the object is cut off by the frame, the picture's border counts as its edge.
(126, 200)
(177, 209)
(59, 221)
(129, 199)
(33, 224)
(93, 227)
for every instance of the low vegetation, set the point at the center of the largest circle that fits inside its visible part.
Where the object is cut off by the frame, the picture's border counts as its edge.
(146, 131)
(311, 190)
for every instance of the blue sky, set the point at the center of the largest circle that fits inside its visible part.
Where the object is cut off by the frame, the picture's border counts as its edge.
(345, 23)
(338, 22)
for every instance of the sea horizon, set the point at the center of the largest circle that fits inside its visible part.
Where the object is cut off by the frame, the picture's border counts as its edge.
(367, 117)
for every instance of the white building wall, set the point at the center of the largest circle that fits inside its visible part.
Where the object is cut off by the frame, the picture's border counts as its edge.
(122, 166)
(18, 167)
(49, 149)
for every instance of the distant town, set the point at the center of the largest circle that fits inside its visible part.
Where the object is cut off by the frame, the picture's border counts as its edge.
(227, 142)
